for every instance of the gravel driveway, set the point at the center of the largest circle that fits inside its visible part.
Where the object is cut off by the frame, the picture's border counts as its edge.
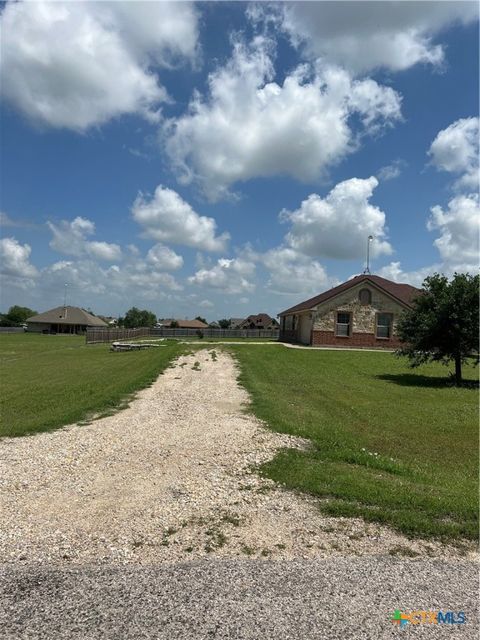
(170, 481)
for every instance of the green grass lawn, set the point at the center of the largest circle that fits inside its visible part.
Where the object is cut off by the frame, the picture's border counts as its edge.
(389, 444)
(49, 381)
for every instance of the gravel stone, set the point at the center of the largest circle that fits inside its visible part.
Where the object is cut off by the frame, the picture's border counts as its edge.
(169, 479)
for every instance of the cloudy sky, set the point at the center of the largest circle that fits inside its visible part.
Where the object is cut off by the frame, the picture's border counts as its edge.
(227, 158)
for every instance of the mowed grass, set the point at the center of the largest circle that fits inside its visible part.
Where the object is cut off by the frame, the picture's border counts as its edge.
(389, 444)
(49, 381)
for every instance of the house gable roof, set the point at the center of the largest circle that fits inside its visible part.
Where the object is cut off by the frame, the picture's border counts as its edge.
(68, 315)
(186, 324)
(259, 318)
(403, 293)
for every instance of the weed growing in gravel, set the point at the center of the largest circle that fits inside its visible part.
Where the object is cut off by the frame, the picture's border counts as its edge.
(400, 550)
(166, 534)
(248, 551)
(264, 489)
(213, 355)
(355, 536)
(231, 518)
(196, 366)
(216, 539)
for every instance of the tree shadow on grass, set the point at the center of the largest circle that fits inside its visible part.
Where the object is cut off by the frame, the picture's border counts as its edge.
(417, 380)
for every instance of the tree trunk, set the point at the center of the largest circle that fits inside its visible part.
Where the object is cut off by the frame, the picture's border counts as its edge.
(458, 369)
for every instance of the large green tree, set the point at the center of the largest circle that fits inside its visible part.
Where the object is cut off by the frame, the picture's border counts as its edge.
(16, 316)
(443, 323)
(224, 323)
(138, 318)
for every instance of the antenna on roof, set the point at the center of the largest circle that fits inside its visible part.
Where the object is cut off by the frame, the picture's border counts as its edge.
(367, 268)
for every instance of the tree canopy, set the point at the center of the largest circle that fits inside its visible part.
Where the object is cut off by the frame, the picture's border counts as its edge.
(16, 316)
(443, 324)
(138, 318)
(224, 323)
(200, 319)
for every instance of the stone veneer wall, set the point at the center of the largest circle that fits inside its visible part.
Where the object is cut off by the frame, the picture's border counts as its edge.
(363, 319)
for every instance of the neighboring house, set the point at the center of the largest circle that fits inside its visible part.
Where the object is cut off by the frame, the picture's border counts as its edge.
(64, 320)
(235, 323)
(214, 325)
(259, 321)
(185, 324)
(362, 312)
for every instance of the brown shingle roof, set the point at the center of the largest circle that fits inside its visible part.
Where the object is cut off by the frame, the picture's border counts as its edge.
(68, 315)
(260, 318)
(404, 293)
(187, 324)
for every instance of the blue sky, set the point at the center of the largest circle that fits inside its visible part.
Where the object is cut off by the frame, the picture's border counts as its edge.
(232, 158)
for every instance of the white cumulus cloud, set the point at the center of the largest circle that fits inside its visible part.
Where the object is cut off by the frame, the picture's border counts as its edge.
(338, 225)
(391, 171)
(459, 227)
(79, 64)
(164, 258)
(229, 275)
(293, 272)
(15, 263)
(70, 238)
(394, 271)
(455, 149)
(363, 36)
(251, 126)
(104, 251)
(166, 217)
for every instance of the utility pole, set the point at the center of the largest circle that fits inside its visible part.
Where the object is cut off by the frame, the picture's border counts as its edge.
(367, 268)
(65, 300)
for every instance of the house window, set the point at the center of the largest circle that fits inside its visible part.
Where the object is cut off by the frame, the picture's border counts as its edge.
(365, 296)
(343, 324)
(384, 325)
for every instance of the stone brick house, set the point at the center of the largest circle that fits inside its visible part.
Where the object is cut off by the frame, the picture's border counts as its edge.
(362, 312)
(259, 321)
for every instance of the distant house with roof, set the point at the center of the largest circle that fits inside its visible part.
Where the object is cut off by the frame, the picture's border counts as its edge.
(235, 323)
(184, 324)
(64, 320)
(362, 312)
(259, 321)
